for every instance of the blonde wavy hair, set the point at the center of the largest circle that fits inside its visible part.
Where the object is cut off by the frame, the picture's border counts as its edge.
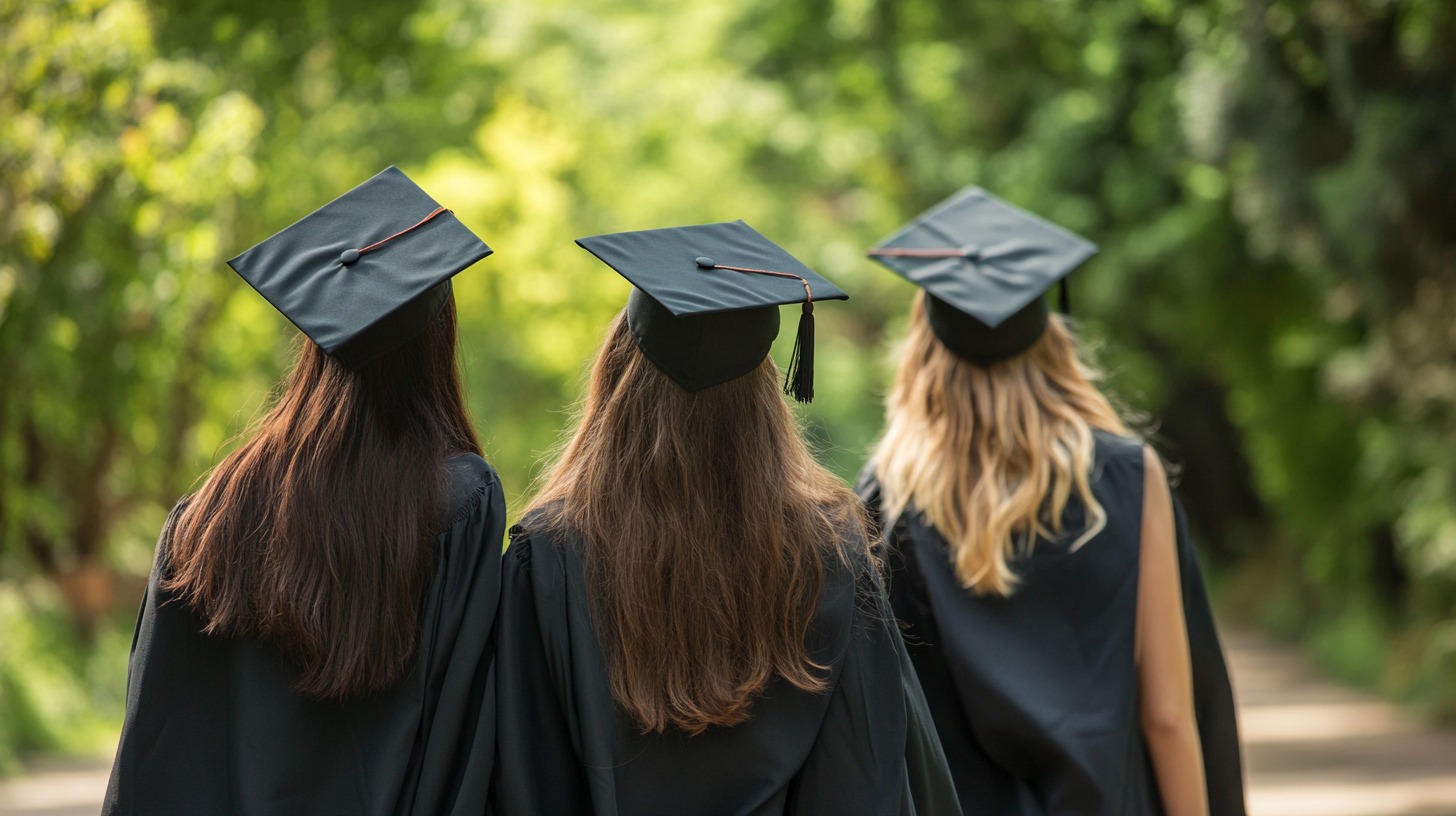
(990, 455)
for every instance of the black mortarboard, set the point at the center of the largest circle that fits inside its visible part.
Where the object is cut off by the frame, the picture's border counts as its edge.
(985, 266)
(365, 272)
(705, 306)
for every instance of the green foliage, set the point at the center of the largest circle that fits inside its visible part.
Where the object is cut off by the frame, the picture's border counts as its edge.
(56, 695)
(1271, 185)
(120, 166)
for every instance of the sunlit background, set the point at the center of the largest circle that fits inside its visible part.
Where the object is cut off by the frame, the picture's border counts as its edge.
(1272, 183)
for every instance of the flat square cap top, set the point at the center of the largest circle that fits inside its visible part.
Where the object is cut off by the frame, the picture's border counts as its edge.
(344, 268)
(982, 255)
(690, 270)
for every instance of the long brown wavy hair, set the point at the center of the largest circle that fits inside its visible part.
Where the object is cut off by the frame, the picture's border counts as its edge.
(316, 533)
(705, 524)
(991, 454)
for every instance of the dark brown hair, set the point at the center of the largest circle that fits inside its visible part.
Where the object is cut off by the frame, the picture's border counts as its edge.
(315, 534)
(705, 524)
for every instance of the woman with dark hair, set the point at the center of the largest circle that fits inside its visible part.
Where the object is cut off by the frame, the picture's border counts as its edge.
(316, 633)
(691, 618)
(1054, 607)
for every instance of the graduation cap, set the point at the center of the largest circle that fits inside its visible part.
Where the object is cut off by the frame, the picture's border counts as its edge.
(704, 308)
(365, 272)
(985, 266)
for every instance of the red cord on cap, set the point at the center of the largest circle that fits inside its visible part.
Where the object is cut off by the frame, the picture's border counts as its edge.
(422, 222)
(808, 295)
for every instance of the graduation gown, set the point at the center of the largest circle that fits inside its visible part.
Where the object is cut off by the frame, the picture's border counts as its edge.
(1035, 696)
(213, 725)
(864, 746)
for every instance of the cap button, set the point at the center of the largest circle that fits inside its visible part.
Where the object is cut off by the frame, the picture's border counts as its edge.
(971, 252)
(348, 256)
(706, 263)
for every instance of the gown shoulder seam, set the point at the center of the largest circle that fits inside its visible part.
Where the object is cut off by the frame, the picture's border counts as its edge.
(467, 504)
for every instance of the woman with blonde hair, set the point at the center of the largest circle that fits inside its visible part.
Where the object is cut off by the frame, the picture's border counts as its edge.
(691, 618)
(1053, 604)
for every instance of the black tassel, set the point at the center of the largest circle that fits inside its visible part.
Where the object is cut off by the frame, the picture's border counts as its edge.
(1066, 298)
(799, 383)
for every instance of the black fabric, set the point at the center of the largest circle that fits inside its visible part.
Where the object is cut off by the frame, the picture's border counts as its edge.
(799, 379)
(866, 746)
(393, 329)
(1213, 694)
(974, 341)
(995, 262)
(359, 306)
(664, 264)
(703, 325)
(213, 726)
(1035, 696)
(699, 351)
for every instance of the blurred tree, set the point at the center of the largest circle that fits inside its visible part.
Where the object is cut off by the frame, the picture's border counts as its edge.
(1337, 135)
(1332, 122)
(113, 162)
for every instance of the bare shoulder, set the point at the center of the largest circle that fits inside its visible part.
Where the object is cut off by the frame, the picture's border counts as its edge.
(1153, 466)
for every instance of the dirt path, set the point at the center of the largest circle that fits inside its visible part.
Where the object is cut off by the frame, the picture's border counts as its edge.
(72, 788)
(1312, 748)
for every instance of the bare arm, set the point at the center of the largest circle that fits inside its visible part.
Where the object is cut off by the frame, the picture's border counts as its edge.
(1165, 682)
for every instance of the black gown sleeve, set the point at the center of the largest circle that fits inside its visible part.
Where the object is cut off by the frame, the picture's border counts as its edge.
(976, 778)
(1213, 698)
(456, 742)
(166, 651)
(877, 751)
(928, 773)
(534, 732)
